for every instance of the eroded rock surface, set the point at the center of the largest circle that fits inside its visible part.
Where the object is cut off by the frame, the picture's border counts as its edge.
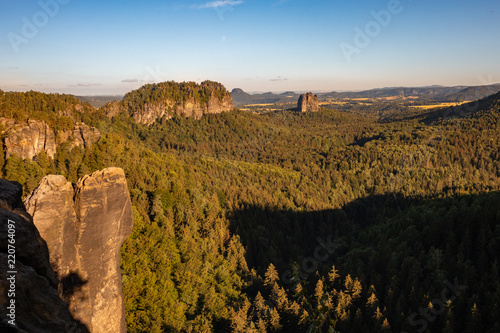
(28, 139)
(38, 306)
(308, 103)
(81, 135)
(84, 226)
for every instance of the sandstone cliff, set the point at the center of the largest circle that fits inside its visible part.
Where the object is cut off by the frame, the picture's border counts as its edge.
(81, 135)
(308, 103)
(38, 307)
(152, 102)
(28, 139)
(112, 109)
(84, 226)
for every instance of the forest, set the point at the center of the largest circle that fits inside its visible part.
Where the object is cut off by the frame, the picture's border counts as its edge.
(170, 90)
(332, 221)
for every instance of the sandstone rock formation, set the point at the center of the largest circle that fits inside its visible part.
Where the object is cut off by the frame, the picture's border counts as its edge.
(219, 100)
(112, 109)
(84, 226)
(30, 138)
(308, 103)
(38, 307)
(81, 135)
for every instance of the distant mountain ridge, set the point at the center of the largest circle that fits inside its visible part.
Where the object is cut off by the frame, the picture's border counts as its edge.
(438, 93)
(241, 97)
(101, 100)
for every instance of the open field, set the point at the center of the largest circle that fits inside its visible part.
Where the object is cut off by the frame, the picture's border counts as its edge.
(439, 105)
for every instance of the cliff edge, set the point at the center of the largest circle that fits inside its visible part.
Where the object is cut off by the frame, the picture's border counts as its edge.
(84, 225)
(27, 139)
(29, 299)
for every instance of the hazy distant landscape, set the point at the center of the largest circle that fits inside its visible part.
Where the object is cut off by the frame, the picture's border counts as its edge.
(238, 166)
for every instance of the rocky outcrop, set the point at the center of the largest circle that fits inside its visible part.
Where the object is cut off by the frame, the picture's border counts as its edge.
(81, 135)
(152, 112)
(28, 284)
(84, 135)
(111, 109)
(30, 138)
(308, 103)
(217, 100)
(84, 226)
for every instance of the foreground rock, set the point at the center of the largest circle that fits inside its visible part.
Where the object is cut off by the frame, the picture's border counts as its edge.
(29, 138)
(84, 227)
(38, 306)
(308, 103)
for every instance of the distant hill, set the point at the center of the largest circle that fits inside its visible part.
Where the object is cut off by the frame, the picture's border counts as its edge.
(433, 92)
(242, 98)
(99, 101)
(487, 106)
(438, 93)
(475, 93)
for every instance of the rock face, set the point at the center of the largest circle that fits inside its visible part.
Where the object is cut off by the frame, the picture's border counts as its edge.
(308, 103)
(30, 138)
(111, 109)
(219, 100)
(84, 226)
(38, 306)
(81, 135)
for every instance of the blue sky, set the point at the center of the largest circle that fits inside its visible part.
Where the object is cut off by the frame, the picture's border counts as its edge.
(111, 47)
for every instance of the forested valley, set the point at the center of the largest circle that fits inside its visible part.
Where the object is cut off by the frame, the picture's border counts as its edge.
(295, 222)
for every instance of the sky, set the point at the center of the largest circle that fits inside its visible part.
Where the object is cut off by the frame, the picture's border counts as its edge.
(111, 47)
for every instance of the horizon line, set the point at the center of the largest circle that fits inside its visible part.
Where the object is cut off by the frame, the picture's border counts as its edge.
(254, 92)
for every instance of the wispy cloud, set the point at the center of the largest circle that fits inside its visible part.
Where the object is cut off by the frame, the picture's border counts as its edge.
(85, 84)
(130, 80)
(219, 4)
(279, 78)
